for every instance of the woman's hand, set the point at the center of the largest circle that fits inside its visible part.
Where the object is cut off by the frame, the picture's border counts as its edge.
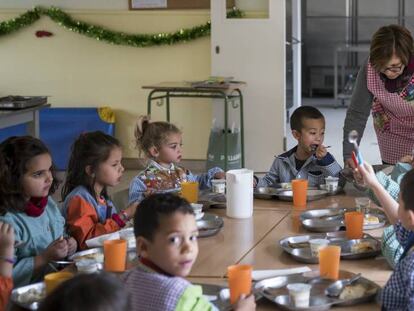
(130, 210)
(245, 303)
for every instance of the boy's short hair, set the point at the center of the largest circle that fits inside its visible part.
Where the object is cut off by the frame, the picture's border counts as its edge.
(304, 112)
(407, 190)
(149, 211)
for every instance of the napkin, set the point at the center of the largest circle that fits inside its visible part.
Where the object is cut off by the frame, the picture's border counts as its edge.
(258, 275)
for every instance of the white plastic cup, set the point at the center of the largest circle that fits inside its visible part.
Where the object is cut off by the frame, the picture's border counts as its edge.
(331, 183)
(129, 236)
(362, 204)
(218, 185)
(299, 294)
(197, 208)
(86, 266)
(316, 245)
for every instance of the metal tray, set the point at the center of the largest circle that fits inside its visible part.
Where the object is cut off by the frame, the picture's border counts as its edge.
(211, 199)
(17, 293)
(275, 290)
(266, 193)
(217, 295)
(302, 253)
(313, 194)
(332, 219)
(209, 225)
(96, 250)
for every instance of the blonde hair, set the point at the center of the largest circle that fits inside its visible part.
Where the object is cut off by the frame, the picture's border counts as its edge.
(152, 134)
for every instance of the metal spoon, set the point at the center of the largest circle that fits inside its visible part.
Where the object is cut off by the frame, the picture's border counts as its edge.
(335, 289)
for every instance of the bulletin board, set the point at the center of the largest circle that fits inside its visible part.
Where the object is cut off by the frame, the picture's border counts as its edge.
(172, 4)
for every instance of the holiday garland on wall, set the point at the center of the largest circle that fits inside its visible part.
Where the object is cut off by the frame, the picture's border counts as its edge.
(102, 34)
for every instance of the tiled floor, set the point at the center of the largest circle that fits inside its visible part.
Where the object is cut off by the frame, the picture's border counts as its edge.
(334, 118)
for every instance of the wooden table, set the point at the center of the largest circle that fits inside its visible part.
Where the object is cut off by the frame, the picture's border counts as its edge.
(228, 247)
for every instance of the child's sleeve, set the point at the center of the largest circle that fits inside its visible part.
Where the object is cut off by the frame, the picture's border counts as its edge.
(136, 190)
(398, 293)
(204, 180)
(392, 187)
(272, 177)
(6, 285)
(83, 222)
(192, 299)
(401, 233)
(329, 166)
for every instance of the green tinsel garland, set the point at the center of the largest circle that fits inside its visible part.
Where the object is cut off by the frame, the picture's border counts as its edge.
(103, 34)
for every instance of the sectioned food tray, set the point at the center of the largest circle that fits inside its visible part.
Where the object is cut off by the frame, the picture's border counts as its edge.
(299, 248)
(29, 296)
(209, 225)
(275, 290)
(332, 219)
(283, 189)
(93, 252)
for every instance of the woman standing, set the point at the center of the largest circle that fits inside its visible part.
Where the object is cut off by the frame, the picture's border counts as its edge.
(385, 87)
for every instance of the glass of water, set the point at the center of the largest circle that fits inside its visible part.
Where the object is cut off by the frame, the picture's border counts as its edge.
(362, 204)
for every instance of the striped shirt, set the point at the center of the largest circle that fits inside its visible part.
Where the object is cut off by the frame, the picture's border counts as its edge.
(174, 175)
(284, 169)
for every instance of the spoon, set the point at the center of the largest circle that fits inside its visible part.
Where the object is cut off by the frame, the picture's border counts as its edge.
(353, 139)
(335, 289)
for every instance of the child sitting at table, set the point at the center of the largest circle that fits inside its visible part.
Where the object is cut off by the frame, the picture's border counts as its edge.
(27, 179)
(88, 292)
(6, 263)
(94, 165)
(398, 293)
(161, 142)
(166, 235)
(309, 159)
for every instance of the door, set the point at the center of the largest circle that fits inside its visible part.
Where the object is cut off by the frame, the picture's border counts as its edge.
(253, 50)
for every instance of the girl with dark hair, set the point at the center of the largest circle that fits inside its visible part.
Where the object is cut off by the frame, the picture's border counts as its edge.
(84, 292)
(27, 179)
(94, 165)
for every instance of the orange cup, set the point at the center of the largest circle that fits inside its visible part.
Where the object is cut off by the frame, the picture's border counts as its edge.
(53, 280)
(240, 281)
(354, 222)
(189, 191)
(115, 255)
(329, 257)
(300, 191)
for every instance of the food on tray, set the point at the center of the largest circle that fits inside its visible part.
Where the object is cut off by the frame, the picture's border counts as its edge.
(286, 185)
(98, 257)
(371, 219)
(355, 291)
(299, 244)
(30, 296)
(362, 247)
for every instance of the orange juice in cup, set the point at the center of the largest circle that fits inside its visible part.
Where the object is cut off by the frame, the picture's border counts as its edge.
(189, 191)
(354, 223)
(329, 257)
(240, 281)
(300, 192)
(53, 280)
(115, 255)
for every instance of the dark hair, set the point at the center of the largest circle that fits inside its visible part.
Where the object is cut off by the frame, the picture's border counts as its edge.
(15, 153)
(149, 211)
(407, 190)
(388, 40)
(304, 112)
(84, 292)
(152, 134)
(89, 149)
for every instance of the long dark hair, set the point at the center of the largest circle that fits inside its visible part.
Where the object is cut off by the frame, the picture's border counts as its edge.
(84, 292)
(89, 149)
(15, 153)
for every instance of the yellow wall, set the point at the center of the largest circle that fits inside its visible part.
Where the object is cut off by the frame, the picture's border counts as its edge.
(77, 71)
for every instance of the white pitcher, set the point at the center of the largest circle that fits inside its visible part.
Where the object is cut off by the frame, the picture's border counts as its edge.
(239, 193)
